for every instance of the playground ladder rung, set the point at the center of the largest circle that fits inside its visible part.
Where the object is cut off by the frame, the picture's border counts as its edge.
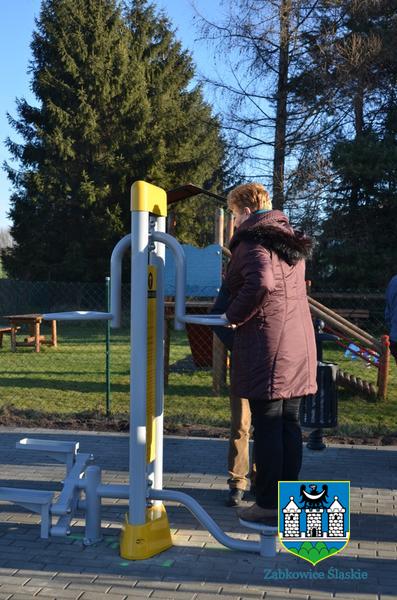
(37, 501)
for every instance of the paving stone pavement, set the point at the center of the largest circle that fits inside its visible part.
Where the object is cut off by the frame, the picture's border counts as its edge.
(197, 567)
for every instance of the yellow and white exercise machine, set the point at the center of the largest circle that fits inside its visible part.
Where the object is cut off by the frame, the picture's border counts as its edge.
(146, 530)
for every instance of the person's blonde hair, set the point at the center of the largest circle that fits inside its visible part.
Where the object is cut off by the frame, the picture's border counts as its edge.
(252, 195)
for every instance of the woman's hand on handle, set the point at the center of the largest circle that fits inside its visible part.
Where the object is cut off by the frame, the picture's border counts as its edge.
(230, 325)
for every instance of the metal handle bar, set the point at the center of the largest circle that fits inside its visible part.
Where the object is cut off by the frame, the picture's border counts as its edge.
(180, 292)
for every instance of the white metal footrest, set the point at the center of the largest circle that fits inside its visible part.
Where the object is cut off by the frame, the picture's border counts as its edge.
(64, 452)
(268, 535)
(37, 501)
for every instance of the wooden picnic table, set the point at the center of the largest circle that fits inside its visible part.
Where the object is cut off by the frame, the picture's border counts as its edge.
(4, 331)
(35, 339)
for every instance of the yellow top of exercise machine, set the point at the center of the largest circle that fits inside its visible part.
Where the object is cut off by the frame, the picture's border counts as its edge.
(146, 197)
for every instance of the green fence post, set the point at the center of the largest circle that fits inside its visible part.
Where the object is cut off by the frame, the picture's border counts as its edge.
(107, 280)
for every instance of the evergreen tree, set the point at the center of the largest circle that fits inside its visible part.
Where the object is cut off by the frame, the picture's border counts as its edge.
(357, 245)
(71, 185)
(115, 104)
(351, 73)
(183, 138)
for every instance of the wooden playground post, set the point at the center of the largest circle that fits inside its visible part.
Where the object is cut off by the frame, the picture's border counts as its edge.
(167, 337)
(219, 226)
(171, 222)
(229, 230)
(219, 352)
(384, 364)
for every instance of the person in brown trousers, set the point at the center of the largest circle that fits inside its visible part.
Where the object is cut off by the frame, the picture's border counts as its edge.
(274, 353)
(238, 459)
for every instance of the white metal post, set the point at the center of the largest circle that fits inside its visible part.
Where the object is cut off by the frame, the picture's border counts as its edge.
(159, 420)
(115, 276)
(138, 371)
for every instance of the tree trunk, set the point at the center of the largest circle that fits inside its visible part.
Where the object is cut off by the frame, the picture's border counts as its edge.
(281, 106)
(358, 106)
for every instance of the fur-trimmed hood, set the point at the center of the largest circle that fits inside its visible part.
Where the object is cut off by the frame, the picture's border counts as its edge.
(273, 231)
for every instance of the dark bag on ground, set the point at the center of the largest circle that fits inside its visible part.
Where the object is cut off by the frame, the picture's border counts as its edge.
(225, 334)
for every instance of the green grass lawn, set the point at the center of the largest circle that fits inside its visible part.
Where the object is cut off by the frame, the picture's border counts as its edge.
(69, 382)
(68, 379)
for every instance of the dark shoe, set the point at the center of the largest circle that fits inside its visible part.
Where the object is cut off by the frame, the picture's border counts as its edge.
(234, 497)
(257, 514)
(252, 491)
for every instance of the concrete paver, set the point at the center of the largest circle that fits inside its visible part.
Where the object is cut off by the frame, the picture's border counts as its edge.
(197, 566)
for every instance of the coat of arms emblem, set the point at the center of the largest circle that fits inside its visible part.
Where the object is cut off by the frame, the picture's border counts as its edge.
(314, 518)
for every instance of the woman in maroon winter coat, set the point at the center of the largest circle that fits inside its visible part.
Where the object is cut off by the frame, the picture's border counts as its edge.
(274, 353)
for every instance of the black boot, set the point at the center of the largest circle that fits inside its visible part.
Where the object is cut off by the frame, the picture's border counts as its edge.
(234, 497)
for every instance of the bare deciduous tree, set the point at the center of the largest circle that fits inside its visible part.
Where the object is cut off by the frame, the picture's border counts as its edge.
(6, 240)
(263, 47)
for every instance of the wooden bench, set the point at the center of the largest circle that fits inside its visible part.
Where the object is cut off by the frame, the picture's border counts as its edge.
(35, 339)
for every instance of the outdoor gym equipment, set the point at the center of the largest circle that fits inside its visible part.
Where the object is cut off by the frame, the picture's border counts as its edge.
(146, 529)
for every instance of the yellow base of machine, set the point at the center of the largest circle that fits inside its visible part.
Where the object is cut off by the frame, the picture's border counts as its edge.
(138, 542)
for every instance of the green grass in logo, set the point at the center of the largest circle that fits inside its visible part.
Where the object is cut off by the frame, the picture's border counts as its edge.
(313, 553)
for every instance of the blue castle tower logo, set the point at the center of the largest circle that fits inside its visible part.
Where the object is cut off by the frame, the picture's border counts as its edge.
(314, 518)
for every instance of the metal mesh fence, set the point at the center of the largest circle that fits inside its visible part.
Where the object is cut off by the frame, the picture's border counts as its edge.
(71, 379)
(197, 339)
(67, 379)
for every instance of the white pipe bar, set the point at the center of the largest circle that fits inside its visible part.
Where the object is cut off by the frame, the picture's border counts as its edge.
(112, 490)
(62, 506)
(204, 518)
(180, 265)
(266, 546)
(204, 320)
(138, 366)
(115, 279)
(105, 490)
(62, 527)
(93, 506)
(159, 263)
(180, 292)
(78, 315)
